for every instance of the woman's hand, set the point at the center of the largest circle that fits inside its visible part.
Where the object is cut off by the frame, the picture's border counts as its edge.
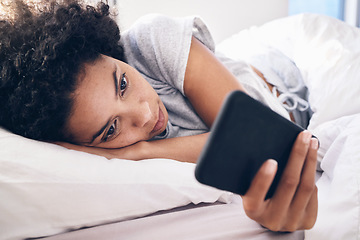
(294, 204)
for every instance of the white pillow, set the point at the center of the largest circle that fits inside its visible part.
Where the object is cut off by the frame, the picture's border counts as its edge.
(46, 189)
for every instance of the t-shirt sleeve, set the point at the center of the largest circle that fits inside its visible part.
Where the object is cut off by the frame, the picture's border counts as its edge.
(158, 47)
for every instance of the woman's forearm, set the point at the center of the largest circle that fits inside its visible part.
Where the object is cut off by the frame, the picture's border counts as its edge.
(184, 149)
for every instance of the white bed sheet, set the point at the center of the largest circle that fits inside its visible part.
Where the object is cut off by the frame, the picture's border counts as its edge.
(210, 221)
(46, 189)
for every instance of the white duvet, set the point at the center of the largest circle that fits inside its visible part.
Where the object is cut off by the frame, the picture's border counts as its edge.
(327, 53)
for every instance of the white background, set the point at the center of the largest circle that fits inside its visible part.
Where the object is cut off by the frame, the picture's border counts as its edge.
(223, 17)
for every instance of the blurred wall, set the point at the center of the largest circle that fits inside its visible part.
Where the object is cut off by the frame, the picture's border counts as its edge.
(223, 17)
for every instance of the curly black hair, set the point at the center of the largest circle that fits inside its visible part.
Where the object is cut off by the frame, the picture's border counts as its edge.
(42, 53)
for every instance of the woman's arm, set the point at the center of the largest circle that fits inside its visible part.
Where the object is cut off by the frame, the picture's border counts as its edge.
(294, 204)
(207, 82)
(184, 149)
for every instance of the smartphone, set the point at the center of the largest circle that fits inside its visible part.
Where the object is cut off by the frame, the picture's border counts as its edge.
(244, 135)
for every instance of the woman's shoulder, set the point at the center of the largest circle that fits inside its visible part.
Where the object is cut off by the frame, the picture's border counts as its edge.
(157, 27)
(161, 34)
(153, 19)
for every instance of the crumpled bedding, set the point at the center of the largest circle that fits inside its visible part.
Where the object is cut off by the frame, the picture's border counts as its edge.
(339, 183)
(327, 52)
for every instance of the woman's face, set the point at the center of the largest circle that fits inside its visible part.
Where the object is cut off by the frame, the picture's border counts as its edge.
(114, 106)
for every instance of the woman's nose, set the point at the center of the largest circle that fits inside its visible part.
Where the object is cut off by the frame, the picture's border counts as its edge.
(141, 114)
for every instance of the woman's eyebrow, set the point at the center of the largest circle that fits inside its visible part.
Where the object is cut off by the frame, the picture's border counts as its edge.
(96, 135)
(116, 81)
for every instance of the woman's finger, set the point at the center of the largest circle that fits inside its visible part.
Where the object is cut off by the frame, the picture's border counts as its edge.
(254, 198)
(307, 182)
(300, 212)
(311, 210)
(291, 176)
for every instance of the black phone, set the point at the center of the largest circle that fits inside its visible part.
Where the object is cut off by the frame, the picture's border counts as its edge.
(244, 135)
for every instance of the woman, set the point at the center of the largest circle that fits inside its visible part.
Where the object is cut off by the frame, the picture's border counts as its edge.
(67, 77)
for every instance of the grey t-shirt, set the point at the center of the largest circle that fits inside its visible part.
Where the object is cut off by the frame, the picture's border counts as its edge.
(158, 47)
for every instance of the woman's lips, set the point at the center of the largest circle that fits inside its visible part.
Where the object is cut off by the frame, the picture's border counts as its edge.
(160, 123)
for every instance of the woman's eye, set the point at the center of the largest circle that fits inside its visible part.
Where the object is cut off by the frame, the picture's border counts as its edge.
(123, 84)
(111, 131)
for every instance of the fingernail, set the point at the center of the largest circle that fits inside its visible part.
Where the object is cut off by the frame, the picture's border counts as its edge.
(271, 166)
(314, 143)
(306, 136)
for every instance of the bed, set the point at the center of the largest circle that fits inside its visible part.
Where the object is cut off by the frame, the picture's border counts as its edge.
(49, 192)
